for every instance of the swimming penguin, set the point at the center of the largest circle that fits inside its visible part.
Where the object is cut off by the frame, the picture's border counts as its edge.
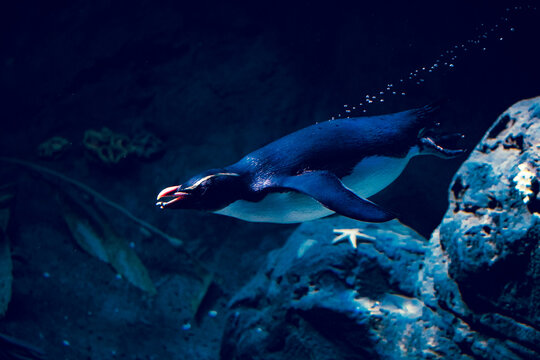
(330, 167)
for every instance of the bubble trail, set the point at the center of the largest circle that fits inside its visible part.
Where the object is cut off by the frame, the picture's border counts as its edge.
(445, 61)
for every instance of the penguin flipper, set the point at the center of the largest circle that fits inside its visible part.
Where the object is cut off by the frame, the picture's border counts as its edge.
(327, 189)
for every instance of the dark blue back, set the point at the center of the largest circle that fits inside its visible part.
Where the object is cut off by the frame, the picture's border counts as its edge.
(337, 145)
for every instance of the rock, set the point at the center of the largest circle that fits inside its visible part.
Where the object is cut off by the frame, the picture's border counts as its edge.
(490, 233)
(471, 291)
(317, 300)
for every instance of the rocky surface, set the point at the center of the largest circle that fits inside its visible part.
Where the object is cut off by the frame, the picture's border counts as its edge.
(490, 233)
(213, 80)
(471, 291)
(318, 300)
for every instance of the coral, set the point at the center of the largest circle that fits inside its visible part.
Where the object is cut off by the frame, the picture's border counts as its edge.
(111, 148)
(107, 146)
(53, 148)
(146, 145)
(524, 180)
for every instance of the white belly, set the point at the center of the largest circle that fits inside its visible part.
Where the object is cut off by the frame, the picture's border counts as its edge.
(368, 177)
(289, 207)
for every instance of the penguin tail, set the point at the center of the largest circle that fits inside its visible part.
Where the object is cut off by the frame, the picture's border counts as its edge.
(427, 112)
(426, 116)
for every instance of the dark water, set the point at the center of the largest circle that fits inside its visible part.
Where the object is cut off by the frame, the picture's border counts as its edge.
(213, 81)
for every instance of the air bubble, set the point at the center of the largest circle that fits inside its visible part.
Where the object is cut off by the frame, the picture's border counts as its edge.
(447, 57)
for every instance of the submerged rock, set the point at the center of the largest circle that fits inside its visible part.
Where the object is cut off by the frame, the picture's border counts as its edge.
(490, 233)
(315, 299)
(471, 291)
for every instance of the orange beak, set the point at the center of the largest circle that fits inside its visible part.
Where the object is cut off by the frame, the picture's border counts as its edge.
(172, 194)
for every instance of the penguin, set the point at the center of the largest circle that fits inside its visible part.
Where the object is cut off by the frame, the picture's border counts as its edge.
(329, 167)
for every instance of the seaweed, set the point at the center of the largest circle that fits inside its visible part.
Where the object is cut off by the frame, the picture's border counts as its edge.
(6, 265)
(93, 193)
(12, 348)
(95, 235)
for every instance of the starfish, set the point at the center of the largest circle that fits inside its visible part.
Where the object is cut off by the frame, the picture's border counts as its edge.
(350, 234)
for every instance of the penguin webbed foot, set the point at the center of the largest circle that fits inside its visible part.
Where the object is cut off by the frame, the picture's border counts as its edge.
(442, 145)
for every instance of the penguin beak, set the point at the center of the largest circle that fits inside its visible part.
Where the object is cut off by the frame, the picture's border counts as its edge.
(172, 195)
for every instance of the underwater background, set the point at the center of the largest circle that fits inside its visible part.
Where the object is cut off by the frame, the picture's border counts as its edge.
(141, 95)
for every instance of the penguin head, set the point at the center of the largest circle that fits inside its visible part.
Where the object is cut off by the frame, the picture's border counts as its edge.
(211, 190)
